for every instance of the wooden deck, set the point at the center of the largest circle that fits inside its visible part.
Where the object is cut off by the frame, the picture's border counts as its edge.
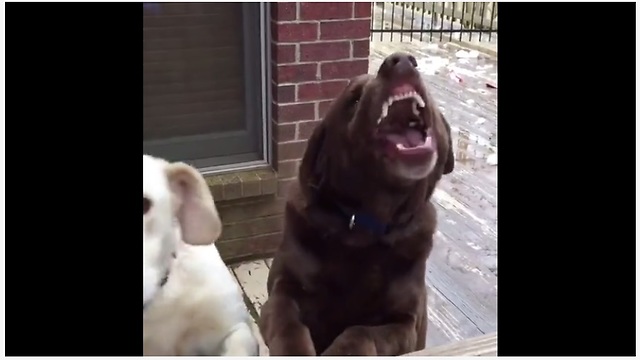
(252, 278)
(462, 269)
(484, 345)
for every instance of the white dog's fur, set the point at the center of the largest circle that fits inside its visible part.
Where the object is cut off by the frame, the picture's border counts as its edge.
(199, 310)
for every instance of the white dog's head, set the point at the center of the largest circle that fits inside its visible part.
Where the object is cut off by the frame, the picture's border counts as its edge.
(172, 191)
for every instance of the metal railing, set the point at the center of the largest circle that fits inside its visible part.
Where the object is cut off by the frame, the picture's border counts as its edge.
(431, 21)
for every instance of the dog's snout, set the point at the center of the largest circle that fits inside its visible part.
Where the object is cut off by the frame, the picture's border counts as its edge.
(403, 64)
(398, 64)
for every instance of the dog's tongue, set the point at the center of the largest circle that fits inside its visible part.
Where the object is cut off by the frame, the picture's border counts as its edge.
(409, 140)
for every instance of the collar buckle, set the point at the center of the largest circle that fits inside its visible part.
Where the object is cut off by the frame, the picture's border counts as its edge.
(352, 222)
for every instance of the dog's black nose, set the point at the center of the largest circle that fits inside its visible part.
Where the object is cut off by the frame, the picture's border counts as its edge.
(398, 64)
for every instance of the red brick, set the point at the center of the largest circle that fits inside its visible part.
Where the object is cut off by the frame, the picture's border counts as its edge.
(284, 132)
(321, 51)
(323, 107)
(249, 248)
(326, 11)
(294, 112)
(294, 32)
(283, 186)
(321, 90)
(261, 225)
(283, 93)
(284, 11)
(291, 150)
(283, 53)
(343, 69)
(362, 10)
(288, 169)
(296, 73)
(347, 29)
(361, 49)
(305, 129)
(247, 209)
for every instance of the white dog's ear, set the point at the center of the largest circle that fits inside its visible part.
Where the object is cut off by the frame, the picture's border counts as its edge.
(196, 211)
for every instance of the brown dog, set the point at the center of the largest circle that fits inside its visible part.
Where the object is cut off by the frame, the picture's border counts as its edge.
(349, 276)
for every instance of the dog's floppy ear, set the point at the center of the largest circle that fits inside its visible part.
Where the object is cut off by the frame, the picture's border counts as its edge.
(196, 211)
(313, 160)
(449, 162)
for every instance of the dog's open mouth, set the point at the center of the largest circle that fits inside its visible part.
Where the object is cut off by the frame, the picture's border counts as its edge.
(402, 124)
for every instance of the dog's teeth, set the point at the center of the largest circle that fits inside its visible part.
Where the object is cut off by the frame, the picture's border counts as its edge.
(400, 146)
(379, 120)
(419, 99)
(427, 141)
(413, 124)
(408, 95)
(385, 110)
(415, 108)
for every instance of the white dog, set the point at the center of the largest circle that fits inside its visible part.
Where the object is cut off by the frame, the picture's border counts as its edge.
(191, 304)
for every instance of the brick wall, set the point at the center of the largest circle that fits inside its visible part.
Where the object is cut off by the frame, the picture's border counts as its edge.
(315, 49)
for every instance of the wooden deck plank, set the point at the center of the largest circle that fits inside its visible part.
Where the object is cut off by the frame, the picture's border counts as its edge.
(252, 277)
(485, 345)
(478, 241)
(446, 322)
(479, 309)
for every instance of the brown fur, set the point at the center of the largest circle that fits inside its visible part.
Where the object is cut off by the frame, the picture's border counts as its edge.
(336, 291)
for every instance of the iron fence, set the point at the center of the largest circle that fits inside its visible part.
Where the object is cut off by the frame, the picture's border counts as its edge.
(431, 21)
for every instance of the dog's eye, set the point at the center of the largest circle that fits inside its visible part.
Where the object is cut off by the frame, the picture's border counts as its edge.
(355, 96)
(146, 205)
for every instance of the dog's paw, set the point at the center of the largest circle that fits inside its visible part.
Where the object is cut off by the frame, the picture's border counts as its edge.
(354, 341)
(235, 350)
(241, 342)
(292, 346)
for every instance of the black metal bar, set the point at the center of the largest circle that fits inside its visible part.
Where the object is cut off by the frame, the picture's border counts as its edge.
(384, 4)
(462, 20)
(427, 31)
(473, 19)
(433, 17)
(422, 11)
(441, 21)
(413, 17)
(453, 14)
(378, 24)
(393, 18)
(402, 23)
(482, 19)
(373, 19)
(493, 8)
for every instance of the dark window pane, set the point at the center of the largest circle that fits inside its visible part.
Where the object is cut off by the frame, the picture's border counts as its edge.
(194, 77)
